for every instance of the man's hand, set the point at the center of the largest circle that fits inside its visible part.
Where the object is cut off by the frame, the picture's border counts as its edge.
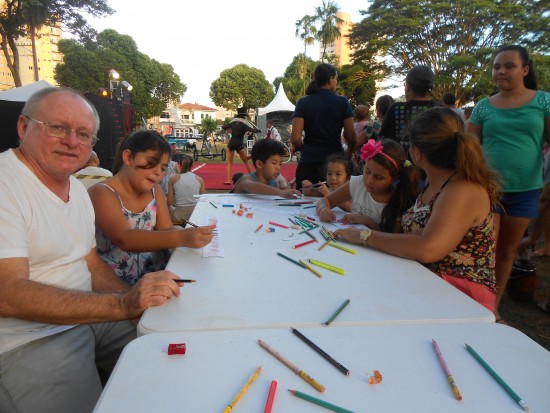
(151, 290)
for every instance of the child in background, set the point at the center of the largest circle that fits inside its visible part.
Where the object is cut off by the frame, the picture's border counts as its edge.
(267, 157)
(388, 187)
(360, 118)
(182, 189)
(338, 173)
(133, 225)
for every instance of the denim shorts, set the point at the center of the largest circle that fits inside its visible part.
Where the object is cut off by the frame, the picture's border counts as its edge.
(519, 204)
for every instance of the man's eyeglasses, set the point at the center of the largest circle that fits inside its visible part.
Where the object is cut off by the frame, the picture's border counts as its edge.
(59, 131)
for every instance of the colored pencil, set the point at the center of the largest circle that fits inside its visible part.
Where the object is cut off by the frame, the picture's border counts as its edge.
(450, 378)
(309, 234)
(324, 245)
(314, 185)
(243, 390)
(190, 223)
(287, 205)
(318, 386)
(338, 311)
(309, 206)
(304, 243)
(259, 228)
(270, 396)
(291, 260)
(319, 350)
(185, 281)
(278, 225)
(341, 247)
(499, 379)
(228, 205)
(313, 270)
(328, 267)
(319, 402)
(213, 205)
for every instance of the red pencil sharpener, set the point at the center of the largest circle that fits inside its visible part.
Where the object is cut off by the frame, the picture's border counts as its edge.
(176, 349)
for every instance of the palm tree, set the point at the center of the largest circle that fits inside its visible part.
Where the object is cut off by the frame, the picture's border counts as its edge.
(305, 30)
(35, 14)
(329, 31)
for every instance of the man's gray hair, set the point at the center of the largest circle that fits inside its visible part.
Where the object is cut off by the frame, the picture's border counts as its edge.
(33, 103)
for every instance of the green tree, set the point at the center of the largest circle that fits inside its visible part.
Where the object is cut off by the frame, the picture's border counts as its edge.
(86, 67)
(22, 18)
(292, 79)
(241, 86)
(208, 125)
(455, 38)
(358, 83)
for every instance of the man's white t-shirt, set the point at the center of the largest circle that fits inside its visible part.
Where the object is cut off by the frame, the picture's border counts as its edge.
(53, 235)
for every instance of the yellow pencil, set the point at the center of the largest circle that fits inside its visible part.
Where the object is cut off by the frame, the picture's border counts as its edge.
(243, 390)
(324, 245)
(313, 270)
(341, 247)
(328, 267)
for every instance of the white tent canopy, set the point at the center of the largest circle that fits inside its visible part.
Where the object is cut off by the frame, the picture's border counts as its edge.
(23, 93)
(279, 103)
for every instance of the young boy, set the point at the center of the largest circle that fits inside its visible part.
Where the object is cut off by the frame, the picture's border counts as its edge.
(267, 157)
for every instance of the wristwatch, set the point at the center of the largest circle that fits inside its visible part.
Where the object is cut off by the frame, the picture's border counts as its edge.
(364, 235)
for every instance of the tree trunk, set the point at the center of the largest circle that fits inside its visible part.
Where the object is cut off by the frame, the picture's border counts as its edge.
(34, 55)
(12, 59)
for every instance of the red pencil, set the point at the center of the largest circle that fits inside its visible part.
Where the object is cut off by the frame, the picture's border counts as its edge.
(305, 243)
(278, 225)
(270, 396)
(257, 229)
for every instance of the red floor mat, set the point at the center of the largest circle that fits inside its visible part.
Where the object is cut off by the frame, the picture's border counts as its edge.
(214, 174)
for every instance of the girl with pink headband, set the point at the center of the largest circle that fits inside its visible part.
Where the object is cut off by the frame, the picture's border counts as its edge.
(388, 187)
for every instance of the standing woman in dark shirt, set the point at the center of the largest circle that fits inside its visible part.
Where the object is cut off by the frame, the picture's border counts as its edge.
(321, 115)
(238, 126)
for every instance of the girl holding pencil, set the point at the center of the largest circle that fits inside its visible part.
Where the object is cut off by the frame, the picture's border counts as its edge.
(338, 173)
(389, 185)
(450, 228)
(133, 225)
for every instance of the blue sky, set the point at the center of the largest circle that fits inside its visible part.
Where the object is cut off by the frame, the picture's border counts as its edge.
(200, 39)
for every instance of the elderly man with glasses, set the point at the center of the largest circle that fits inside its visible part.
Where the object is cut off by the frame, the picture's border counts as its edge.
(63, 312)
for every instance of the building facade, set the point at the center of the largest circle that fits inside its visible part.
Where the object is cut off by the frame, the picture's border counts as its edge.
(182, 121)
(47, 53)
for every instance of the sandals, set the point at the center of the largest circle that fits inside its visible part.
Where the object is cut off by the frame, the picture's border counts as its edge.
(502, 321)
(228, 183)
(544, 306)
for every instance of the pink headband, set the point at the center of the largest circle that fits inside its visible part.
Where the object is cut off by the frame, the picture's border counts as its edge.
(372, 148)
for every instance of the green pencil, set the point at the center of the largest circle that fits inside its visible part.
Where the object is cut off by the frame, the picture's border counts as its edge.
(499, 379)
(291, 260)
(338, 311)
(319, 402)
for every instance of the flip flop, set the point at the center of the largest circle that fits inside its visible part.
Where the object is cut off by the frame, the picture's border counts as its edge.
(501, 321)
(228, 183)
(544, 306)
